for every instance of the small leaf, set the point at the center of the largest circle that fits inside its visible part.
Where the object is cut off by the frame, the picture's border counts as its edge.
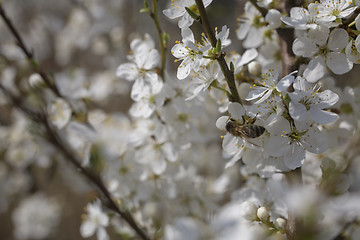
(192, 14)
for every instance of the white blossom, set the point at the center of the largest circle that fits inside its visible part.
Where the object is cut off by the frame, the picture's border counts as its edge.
(325, 48)
(189, 52)
(95, 221)
(306, 99)
(177, 9)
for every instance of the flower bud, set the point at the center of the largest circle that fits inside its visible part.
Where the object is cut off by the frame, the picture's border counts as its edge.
(249, 210)
(280, 224)
(273, 17)
(263, 214)
(35, 80)
(254, 68)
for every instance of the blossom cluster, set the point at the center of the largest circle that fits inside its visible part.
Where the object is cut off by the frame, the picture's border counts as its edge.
(204, 152)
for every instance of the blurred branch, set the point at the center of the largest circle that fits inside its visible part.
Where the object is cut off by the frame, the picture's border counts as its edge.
(29, 54)
(70, 156)
(161, 36)
(52, 135)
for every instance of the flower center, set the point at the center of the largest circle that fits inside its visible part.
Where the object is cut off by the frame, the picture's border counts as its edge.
(335, 12)
(323, 50)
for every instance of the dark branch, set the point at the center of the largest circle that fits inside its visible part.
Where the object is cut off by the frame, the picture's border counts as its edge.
(229, 76)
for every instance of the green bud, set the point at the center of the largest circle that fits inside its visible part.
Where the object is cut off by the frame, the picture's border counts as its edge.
(146, 8)
(232, 68)
(166, 38)
(218, 46)
(287, 99)
(192, 14)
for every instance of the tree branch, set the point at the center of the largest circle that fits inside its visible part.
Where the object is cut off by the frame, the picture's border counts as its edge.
(52, 135)
(229, 76)
(29, 55)
(70, 156)
(163, 47)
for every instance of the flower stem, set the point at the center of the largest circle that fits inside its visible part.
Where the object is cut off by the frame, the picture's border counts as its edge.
(162, 42)
(229, 76)
(346, 23)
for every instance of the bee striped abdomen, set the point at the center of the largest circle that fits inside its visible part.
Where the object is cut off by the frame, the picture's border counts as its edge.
(244, 131)
(253, 131)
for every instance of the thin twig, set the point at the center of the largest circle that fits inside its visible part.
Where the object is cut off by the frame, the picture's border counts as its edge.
(27, 52)
(163, 47)
(69, 155)
(229, 76)
(52, 135)
(346, 22)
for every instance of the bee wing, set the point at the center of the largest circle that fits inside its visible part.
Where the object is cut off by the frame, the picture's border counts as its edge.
(250, 131)
(242, 130)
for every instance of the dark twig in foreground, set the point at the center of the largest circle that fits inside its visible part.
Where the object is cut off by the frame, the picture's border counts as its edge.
(229, 76)
(54, 139)
(27, 52)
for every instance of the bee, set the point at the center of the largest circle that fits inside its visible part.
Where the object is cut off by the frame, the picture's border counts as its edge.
(246, 130)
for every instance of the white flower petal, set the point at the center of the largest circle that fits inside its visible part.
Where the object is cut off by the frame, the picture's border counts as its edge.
(139, 90)
(327, 98)
(285, 82)
(158, 164)
(87, 229)
(102, 234)
(315, 70)
(248, 56)
(127, 71)
(338, 63)
(221, 122)
(338, 39)
(319, 35)
(266, 96)
(276, 146)
(154, 81)
(169, 152)
(186, 21)
(321, 116)
(254, 38)
(184, 69)
(187, 35)
(295, 157)
(256, 93)
(152, 60)
(297, 111)
(242, 31)
(141, 109)
(314, 141)
(346, 12)
(304, 47)
(174, 12)
(59, 113)
(357, 22)
(357, 42)
(230, 143)
(236, 110)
